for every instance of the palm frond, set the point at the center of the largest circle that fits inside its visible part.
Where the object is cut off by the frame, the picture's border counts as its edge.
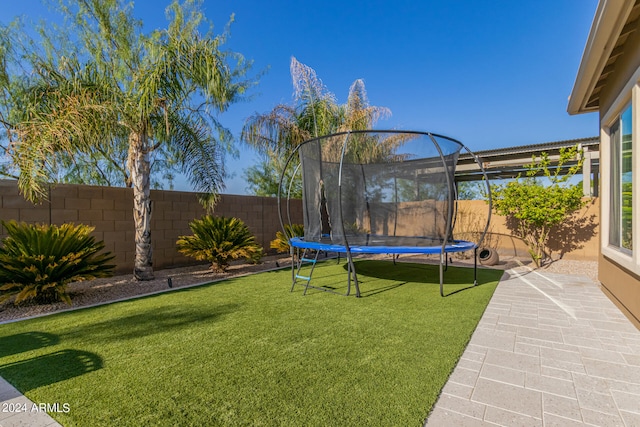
(277, 131)
(308, 88)
(281, 242)
(198, 154)
(359, 115)
(63, 112)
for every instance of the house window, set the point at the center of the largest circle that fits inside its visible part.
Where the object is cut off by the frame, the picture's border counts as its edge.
(620, 225)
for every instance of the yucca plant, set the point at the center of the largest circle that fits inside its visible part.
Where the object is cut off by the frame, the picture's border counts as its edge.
(281, 242)
(37, 262)
(219, 240)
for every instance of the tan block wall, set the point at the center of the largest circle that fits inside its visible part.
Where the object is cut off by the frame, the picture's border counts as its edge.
(110, 211)
(422, 218)
(576, 239)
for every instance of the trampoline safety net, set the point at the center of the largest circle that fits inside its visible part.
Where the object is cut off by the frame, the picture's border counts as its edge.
(379, 188)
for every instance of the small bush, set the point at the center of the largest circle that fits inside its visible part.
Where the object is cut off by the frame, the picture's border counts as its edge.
(37, 262)
(281, 242)
(533, 207)
(219, 240)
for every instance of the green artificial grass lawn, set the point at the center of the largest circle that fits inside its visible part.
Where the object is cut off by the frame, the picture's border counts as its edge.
(246, 351)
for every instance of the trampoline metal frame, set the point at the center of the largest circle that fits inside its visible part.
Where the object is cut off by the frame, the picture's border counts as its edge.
(448, 244)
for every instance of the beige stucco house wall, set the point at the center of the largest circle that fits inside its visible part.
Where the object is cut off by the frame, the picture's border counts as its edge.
(608, 82)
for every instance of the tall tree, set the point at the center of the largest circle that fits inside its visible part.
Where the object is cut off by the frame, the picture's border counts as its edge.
(314, 112)
(115, 88)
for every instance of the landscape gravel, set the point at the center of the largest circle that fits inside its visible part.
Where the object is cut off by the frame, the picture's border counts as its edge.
(122, 287)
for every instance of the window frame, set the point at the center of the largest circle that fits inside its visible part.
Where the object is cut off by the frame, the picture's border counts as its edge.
(629, 96)
(617, 181)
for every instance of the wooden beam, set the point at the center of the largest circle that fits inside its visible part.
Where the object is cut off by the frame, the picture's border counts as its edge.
(629, 28)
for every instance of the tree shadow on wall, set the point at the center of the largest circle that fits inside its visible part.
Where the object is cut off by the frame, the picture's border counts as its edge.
(572, 234)
(569, 236)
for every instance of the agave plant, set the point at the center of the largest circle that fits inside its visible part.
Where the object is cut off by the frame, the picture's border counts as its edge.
(219, 240)
(37, 262)
(281, 242)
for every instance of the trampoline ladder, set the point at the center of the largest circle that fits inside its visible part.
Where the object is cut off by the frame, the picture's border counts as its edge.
(304, 260)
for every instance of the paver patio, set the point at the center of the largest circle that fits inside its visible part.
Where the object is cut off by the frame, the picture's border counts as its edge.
(18, 411)
(550, 350)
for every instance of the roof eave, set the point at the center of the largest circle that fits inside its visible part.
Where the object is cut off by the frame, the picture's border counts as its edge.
(608, 22)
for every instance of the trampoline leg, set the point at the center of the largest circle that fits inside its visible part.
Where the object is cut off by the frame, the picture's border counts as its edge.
(351, 269)
(475, 266)
(348, 277)
(293, 267)
(355, 281)
(442, 261)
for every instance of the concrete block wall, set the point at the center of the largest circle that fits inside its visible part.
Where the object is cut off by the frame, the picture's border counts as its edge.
(578, 239)
(110, 211)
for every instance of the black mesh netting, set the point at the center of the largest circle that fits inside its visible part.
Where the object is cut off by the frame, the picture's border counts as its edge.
(379, 188)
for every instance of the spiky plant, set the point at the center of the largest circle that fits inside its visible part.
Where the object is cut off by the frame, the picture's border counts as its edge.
(219, 240)
(281, 242)
(37, 262)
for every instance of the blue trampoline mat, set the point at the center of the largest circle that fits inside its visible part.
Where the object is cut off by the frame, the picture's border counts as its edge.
(455, 246)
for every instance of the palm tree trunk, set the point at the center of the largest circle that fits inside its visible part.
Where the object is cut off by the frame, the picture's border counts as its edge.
(140, 170)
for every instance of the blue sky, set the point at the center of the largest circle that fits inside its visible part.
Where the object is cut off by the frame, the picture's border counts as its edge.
(491, 73)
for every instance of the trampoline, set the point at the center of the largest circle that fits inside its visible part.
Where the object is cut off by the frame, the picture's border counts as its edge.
(374, 192)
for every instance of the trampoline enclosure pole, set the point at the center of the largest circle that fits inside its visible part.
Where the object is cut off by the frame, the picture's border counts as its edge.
(442, 254)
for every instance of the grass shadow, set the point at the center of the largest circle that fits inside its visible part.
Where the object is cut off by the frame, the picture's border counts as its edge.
(459, 290)
(51, 368)
(424, 273)
(26, 341)
(151, 321)
(375, 291)
(399, 273)
(241, 354)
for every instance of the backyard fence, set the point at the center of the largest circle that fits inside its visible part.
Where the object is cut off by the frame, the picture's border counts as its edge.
(110, 211)
(576, 238)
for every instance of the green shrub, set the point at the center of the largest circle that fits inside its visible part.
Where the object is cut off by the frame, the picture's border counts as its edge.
(532, 207)
(219, 240)
(38, 261)
(281, 242)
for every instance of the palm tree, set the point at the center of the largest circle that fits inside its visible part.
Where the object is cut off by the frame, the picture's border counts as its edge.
(314, 112)
(359, 115)
(123, 90)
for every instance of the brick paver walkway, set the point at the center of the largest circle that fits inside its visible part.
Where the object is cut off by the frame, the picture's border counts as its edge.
(18, 411)
(550, 350)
